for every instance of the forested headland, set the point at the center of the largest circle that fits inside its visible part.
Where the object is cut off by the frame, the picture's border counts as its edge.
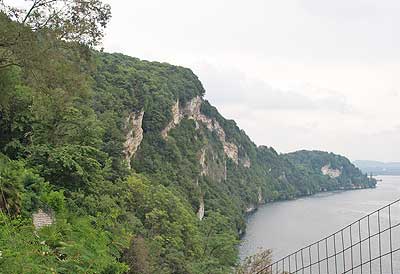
(139, 173)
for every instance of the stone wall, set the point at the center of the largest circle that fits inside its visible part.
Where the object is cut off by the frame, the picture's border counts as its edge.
(42, 218)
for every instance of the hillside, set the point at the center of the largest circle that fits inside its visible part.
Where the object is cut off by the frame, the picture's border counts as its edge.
(331, 171)
(131, 166)
(186, 144)
(378, 168)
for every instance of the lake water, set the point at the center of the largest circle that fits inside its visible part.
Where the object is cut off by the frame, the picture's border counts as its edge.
(288, 226)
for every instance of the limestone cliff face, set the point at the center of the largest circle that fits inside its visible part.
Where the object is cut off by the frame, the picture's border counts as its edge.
(230, 150)
(200, 212)
(134, 136)
(192, 111)
(227, 165)
(202, 160)
(176, 118)
(332, 173)
(260, 201)
(246, 162)
(260, 197)
(211, 164)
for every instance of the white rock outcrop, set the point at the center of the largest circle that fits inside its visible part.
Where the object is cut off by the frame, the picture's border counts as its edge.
(246, 162)
(202, 160)
(192, 111)
(176, 119)
(250, 209)
(260, 198)
(333, 173)
(200, 212)
(231, 150)
(134, 136)
(225, 172)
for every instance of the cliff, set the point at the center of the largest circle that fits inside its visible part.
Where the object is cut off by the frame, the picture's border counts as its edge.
(188, 146)
(137, 169)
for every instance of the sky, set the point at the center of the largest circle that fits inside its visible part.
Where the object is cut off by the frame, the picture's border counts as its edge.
(294, 74)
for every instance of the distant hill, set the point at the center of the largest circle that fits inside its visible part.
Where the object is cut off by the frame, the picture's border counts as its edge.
(378, 168)
(328, 170)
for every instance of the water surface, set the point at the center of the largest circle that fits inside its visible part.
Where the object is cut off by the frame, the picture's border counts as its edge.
(288, 226)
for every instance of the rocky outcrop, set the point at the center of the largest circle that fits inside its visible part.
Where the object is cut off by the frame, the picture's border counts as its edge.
(134, 136)
(225, 172)
(212, 164)
(200, 212)
(245, 161)
(254, 206)
(176, 119)
(260, 197)
(332, 173)
(202, 160)
(250, 209)
(192, 111)
(42, 219)
(231, 151)
(192, 108)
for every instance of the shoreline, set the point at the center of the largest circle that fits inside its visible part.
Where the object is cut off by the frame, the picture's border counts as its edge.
(249, 214)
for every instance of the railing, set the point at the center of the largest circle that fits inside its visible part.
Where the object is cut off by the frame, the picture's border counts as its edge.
(370, 245)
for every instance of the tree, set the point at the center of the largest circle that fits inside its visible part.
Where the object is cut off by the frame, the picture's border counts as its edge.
(71, 20)
(10, 191)
(257, 263)
(71, 245)
(137, 256)
(219, 252)
(79, 21)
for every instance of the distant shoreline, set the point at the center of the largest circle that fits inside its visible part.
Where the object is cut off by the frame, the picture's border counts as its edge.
(376, 168)
(249, 214)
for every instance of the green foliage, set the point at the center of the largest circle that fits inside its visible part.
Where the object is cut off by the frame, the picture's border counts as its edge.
(137, 257)
(350, 175)
(219, 251)
(72, 167)
(22, 190)
(171, 226)
(11, 187)
(63, 125)
(37, 28)
(70, 246)
(16, 117)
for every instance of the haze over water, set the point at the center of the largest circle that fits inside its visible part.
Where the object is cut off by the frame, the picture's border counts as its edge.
(288, 226)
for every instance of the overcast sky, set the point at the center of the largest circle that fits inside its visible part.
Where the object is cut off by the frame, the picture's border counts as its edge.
(294, 74)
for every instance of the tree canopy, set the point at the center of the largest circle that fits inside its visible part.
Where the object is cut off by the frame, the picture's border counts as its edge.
(74, 21)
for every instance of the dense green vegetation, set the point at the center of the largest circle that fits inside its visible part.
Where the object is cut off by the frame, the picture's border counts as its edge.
(350, 176)
(63, 127)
